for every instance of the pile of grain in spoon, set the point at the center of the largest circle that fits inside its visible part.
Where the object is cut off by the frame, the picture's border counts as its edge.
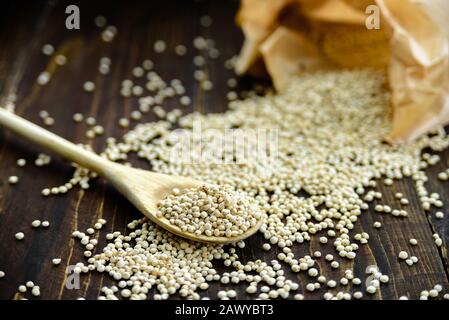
(211, 210)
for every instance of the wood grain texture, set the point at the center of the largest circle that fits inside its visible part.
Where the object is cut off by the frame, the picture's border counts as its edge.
(26, 26)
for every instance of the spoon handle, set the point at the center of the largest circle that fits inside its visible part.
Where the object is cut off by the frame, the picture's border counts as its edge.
(53, 142)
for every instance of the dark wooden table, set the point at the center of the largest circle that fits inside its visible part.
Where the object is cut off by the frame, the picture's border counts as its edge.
(26, 26)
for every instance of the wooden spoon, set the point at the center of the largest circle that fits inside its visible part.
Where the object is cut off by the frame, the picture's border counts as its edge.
(143, 188)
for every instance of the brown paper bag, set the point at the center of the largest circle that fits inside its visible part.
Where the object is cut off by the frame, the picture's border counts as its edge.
(294, 36)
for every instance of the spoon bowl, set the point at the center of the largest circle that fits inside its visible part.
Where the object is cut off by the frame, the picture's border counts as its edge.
(145, 189)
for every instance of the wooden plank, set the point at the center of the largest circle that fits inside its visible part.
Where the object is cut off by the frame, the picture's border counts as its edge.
(27, 29)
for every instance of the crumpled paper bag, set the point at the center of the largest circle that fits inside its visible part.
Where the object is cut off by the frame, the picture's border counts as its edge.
(294, 36)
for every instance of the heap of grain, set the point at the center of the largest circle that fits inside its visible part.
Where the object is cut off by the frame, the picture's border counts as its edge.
(329, 152)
